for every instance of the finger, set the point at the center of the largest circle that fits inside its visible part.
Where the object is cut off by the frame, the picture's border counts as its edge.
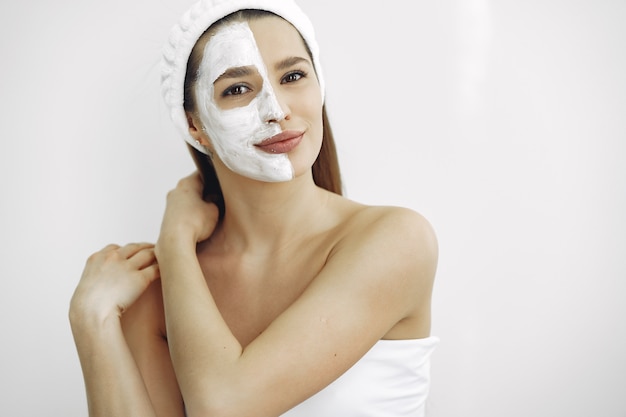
(195, 176)
(151, 273)
(143, 258)
(193, 181)
(94, 257)
(131, 249)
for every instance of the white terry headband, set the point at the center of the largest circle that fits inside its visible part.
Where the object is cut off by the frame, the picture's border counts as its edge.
(190, 28)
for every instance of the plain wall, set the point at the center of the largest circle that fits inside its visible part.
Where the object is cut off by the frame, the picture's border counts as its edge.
(503, 122)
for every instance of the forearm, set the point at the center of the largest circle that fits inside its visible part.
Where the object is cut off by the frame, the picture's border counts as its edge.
(203, 349)
(112, 380)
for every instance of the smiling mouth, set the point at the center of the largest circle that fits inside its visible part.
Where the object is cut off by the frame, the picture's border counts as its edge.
(283, 142)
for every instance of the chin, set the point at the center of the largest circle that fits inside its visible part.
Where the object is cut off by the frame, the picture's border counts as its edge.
(303, 158)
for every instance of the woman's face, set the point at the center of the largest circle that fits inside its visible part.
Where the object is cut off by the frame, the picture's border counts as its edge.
(259, 100)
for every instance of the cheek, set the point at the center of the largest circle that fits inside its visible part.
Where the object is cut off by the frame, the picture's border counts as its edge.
(314, 110)
(232, 127)
(316, 124)
(309, 106)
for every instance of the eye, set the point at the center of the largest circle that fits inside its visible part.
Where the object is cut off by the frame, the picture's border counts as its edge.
(293, 76)
(236, 90)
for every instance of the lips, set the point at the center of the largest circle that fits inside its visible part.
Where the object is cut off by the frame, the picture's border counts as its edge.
(283, 142)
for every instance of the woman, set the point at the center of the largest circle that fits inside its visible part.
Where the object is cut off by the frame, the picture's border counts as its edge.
(277, 296)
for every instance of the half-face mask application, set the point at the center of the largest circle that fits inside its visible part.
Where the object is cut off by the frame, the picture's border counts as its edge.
(184, 36)
(235, 132)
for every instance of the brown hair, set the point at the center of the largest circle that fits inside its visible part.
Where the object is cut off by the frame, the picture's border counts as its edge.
(325, 169)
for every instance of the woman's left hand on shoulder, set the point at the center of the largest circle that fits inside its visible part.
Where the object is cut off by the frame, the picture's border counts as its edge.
(113, 279)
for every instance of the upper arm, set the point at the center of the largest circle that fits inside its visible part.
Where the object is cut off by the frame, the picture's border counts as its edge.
(143, 326)
(373, 279)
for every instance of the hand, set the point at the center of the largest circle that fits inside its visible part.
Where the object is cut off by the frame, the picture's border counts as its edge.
(113, 279)
(187, 215)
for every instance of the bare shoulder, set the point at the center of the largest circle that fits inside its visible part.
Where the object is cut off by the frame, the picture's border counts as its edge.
(389, 256)
(397, 232)
(395, 220)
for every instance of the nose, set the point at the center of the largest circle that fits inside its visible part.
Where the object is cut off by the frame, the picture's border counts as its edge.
(270, 107)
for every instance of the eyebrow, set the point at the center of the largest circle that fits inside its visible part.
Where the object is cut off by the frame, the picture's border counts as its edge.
(235, 72)
(289, 62)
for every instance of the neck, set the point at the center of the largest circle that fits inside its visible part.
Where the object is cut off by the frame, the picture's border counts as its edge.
(264, 217)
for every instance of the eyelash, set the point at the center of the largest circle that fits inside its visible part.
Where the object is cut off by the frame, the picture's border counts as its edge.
(230, 91)
(300, 73)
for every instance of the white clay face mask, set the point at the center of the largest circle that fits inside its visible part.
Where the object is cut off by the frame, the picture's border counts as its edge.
(234, 132)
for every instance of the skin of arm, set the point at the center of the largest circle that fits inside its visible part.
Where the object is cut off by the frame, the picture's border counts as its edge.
(112, 380)
(112, 280)
(373, 279)
(144, 330)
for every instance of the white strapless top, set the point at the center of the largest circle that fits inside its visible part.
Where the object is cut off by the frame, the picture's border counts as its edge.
(391, 380)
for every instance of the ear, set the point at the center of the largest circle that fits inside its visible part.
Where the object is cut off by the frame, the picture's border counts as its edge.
(196, 130)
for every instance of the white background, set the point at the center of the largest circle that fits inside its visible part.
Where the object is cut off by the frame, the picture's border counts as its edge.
(503, 122)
